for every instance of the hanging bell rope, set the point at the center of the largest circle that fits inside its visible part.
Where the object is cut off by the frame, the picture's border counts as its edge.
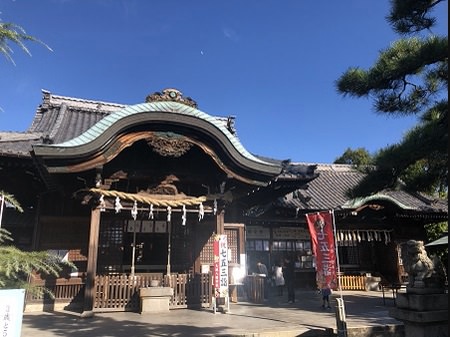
(150, 200)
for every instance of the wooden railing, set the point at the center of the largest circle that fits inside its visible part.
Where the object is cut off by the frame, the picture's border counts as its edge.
(189, 290)
(352, 282)
(60, 288)
(120, 292)
(67, 293)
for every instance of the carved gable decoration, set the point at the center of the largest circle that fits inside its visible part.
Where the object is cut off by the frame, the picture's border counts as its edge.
(172, 95)
(169, 144)
(166, 186)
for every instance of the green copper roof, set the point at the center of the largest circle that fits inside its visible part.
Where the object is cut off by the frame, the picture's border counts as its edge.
(357, 202)
(164, 106)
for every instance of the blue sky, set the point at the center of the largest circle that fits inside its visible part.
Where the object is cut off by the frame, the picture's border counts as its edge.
(271, 63)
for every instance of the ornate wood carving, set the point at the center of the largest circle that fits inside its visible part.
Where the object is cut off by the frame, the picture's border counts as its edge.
(166, 186)
(168, 144)
(173, 95)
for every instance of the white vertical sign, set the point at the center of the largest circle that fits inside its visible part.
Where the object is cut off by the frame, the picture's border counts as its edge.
(220, 277)
(11, 312)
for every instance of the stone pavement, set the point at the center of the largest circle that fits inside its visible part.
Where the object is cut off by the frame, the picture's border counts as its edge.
(366, 316)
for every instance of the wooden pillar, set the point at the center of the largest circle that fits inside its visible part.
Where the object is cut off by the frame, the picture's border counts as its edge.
(241, 242)
(91, 264)
(220, 221)
(37, 228)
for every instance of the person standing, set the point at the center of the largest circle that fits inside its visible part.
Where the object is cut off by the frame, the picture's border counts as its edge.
(289, 278)
(326, 292)
(278, 278)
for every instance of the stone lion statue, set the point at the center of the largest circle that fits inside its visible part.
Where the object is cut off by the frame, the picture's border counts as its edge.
(417, 264)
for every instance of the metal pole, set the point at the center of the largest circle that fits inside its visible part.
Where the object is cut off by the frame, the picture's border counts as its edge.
(341, 322)
(133, 251)
(169, 230)
(2, 198)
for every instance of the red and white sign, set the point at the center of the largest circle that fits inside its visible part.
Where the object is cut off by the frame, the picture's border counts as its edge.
(321, 229)
(220, 278)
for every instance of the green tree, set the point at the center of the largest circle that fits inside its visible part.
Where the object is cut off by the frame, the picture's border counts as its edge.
(17, 266)
(12, 34)
(359, 157)
(409, 78)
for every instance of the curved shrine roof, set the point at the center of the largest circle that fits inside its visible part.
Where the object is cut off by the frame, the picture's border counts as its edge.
(329, 192)
(73, 128)
(108, 121)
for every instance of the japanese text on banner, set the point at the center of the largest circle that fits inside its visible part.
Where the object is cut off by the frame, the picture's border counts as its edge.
(220, 266)
(321, 230)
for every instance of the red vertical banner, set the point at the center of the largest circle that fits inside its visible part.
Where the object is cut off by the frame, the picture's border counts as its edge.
(220, 277)
(321, 229)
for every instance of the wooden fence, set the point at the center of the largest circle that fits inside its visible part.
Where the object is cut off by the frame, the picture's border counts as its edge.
(67, 293)
(121, 292)
(189, 290)
(60, 288)
(352, 282)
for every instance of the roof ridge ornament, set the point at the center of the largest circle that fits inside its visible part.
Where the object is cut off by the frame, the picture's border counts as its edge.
(171, 94)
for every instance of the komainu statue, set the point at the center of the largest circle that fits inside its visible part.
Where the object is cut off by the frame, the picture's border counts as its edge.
(420, 268)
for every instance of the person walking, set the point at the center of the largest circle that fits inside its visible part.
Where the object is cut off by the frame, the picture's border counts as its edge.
(289, 278)
(278, 278)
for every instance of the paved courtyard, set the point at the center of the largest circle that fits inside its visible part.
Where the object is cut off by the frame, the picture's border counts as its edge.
(364, 311)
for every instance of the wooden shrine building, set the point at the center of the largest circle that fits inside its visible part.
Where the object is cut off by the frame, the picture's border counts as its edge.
(132, 189)
(135, 193)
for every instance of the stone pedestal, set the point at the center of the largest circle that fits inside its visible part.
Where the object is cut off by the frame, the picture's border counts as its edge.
(372, 283)
(155, 299)
(423, 314)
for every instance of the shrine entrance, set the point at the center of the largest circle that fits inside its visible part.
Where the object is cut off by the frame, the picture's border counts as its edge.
(124, 244)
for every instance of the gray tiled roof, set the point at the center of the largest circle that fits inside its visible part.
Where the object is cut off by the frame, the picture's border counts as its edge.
(57, 119)
(329, 191)
(62, 118)
(18, 144)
